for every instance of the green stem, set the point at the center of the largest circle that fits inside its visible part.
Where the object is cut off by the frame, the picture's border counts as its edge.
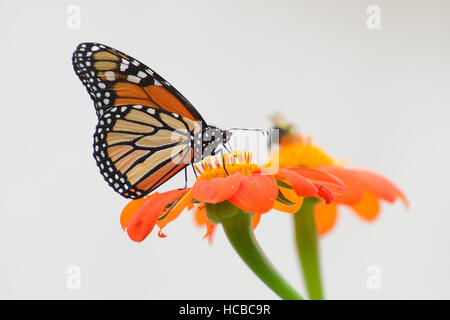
(308, 248)
(239, 232)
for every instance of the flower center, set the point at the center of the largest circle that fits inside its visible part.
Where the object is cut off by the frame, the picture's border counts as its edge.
(227, 164)
(300, 152)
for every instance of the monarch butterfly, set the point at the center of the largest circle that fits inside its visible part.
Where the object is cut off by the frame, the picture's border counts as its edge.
(147, 131)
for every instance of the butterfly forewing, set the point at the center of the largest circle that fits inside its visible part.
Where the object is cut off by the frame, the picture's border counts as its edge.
(113, 78)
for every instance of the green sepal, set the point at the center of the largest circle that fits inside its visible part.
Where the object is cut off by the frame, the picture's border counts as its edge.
(217, 212)
(281, 198)
(283, 184)
(169, 208)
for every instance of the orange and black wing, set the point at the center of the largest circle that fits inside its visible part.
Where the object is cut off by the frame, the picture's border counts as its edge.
(114, 79)
(137, 147)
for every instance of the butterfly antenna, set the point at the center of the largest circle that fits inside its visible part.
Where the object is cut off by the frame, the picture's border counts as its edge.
(263, 131)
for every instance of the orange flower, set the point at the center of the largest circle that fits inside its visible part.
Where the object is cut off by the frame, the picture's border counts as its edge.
(364, 189)
(232, 180)
(201, 219)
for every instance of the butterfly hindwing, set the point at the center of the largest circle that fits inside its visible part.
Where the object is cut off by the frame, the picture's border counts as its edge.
(138, 147)
(113, 79)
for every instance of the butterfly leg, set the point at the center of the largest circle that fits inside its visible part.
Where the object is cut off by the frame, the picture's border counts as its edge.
(193, 169)
(231, 148)
(185, 179)
(224, 164)
(226, 148)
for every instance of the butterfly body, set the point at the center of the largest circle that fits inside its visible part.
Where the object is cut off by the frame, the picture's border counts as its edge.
(147, 131)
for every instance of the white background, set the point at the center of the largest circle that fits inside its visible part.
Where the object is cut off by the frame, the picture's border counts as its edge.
(377, 97)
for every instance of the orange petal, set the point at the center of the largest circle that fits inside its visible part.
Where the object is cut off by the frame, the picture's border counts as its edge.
(217, 189)
(161, 234)
(256, 193)
(368, 208)
(201, 219)
(354, 188)
(380, 186)
(255, 220)
(320, 177)
(325, 216)
(177, 209)
(210, 229)
(325, 194)
(199, 214)
(300, 184)
(292, 196)
(142, 223)
(129, 211)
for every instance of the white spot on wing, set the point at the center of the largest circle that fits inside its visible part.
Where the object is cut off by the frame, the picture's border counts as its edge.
(134, 79)
(110, 76)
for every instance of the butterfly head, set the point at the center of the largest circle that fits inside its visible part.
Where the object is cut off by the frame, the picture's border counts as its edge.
(213, 139)
(226, 134)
